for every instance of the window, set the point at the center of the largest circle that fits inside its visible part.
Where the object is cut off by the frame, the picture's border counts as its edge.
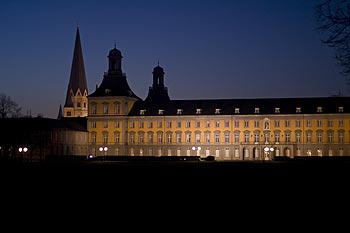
(150, 124)
(217, 124)
(319, 123)
(217, 137)
(117, 109)
(297, 123)
(141, 138)
(93, 124)
(178, 124)
(116, 124)
(217, 111)
(169, 124)
(168, 138)
(287, 123)
(341, 137)
(207, 137)
(277, 123)
(178, 137)
(188, 124)
(198, 137)
(150, 138)
(246, 124)
(277, 137)
(179, 111)
(297, 137)
(256, 110)
(198, 111)
(160, 138)
(105, 124)
(105, 108)
(132, 137)
(141, 124)
(308, 123)
(298, 110)
(227, 137)
(142, 112)
(188, 137)
(308, 137)
(341, 109)
(236, 137)
(236, 110)
(132, 125)
(79, 105)
(319, 137)
(277, 110)
(330, 123)
(330, 137)
(207, 124)
(246, 137)
(93, 108)
(256, 124)
(160, 112)
(287, 134)
(160, 124)
(341, 123)
(116, 137)
(227, 124)
(93, 137)
(237, 124)
(319, 109)
(198, 124)
(256, 137)
(84, 105)
(105, 137)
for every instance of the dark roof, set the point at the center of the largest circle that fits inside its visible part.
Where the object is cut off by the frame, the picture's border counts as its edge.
(114, 85)
(246, 106)
(115, 52)
(77, 76)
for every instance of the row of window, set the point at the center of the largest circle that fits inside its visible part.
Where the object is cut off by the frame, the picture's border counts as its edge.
(117, 108)
(197, 124)
(257, 137)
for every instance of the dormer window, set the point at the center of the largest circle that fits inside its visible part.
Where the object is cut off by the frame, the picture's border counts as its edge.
(298, 110)
(277, 110)
(256, 110)
(107, 91)
(217, 111)
(236, 110)
(198, 111)
(319, 109)
(142, 111)
(341, 109)
(179, 111)
(160, 112)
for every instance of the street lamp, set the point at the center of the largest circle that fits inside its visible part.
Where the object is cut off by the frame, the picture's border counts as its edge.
(105, 149)
(198, 150)
(22, 150)
(267, 151)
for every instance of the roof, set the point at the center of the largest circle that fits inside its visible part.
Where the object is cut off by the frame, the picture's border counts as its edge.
(77, 76)
(245, 106)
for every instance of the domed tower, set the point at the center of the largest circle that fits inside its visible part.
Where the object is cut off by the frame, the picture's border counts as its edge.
(158, 93)
(77, 92)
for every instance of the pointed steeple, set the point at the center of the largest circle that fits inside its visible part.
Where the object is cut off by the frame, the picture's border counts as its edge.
(60, 114)
(76, 99)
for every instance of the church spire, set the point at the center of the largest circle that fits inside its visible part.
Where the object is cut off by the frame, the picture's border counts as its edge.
(60, 114)
(76, 99)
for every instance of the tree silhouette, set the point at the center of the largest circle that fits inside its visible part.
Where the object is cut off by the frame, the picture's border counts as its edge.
(8, 108)
(333, 20)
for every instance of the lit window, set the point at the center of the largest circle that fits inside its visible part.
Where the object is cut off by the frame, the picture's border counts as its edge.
(236, 110)
(142, 112)
(198, 111)
(341, 109)
(179, 111)
(160, 112)
(217, 111)
(298, 110)
(319, 109)
(257, 110)
(277, 110)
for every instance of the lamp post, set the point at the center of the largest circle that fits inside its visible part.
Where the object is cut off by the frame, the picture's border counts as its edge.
(22, 150)
(105, 149)
(267, 151)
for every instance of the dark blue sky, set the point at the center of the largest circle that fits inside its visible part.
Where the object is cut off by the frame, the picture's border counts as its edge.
(209, 49)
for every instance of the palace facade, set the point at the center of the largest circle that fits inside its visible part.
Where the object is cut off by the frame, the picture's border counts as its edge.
(121, 123)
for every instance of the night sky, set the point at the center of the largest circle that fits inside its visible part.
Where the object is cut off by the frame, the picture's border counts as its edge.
(209, 49)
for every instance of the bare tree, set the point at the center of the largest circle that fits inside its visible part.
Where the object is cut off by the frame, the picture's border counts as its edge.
(8, 108)
(333, 19)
